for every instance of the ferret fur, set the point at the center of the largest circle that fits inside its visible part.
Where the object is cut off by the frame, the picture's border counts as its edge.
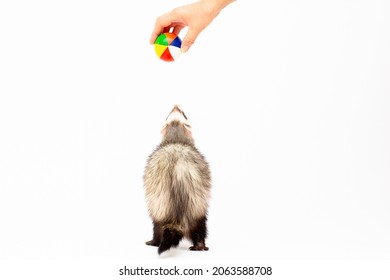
(177, 187)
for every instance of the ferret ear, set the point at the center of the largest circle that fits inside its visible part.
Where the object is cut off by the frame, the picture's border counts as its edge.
(164, 129)
(187, 129)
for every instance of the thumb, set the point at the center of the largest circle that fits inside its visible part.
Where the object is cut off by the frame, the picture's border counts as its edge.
(189, 39)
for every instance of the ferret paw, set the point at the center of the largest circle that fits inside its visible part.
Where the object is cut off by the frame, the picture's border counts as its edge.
(152, 243)
(199, 247)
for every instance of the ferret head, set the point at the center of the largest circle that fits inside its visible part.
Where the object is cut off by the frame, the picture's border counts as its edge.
(177, 129)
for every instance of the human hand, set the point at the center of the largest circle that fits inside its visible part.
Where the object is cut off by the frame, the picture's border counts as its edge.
(196, 16)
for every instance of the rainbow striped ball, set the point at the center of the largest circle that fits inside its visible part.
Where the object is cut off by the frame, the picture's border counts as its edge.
(167, 46)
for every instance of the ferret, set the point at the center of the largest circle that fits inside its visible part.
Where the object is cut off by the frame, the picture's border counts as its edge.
(177, 185)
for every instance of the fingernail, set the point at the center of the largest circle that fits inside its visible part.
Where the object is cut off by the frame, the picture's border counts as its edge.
(184, 49)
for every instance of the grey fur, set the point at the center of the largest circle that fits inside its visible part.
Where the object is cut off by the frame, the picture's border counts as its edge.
(177, 178)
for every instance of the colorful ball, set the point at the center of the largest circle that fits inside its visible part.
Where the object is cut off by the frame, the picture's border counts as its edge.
(167, 46)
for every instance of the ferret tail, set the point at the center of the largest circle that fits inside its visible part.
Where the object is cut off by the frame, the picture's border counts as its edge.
(172, 234)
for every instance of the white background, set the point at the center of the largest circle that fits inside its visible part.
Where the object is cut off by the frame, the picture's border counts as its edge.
(289, 102)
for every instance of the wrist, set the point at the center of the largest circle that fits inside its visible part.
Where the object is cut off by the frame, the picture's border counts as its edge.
(214, 7)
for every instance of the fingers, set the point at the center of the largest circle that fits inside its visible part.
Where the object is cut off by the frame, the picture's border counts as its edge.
(164, 23)
(189, 39)
(161, 23)
(176, 29)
